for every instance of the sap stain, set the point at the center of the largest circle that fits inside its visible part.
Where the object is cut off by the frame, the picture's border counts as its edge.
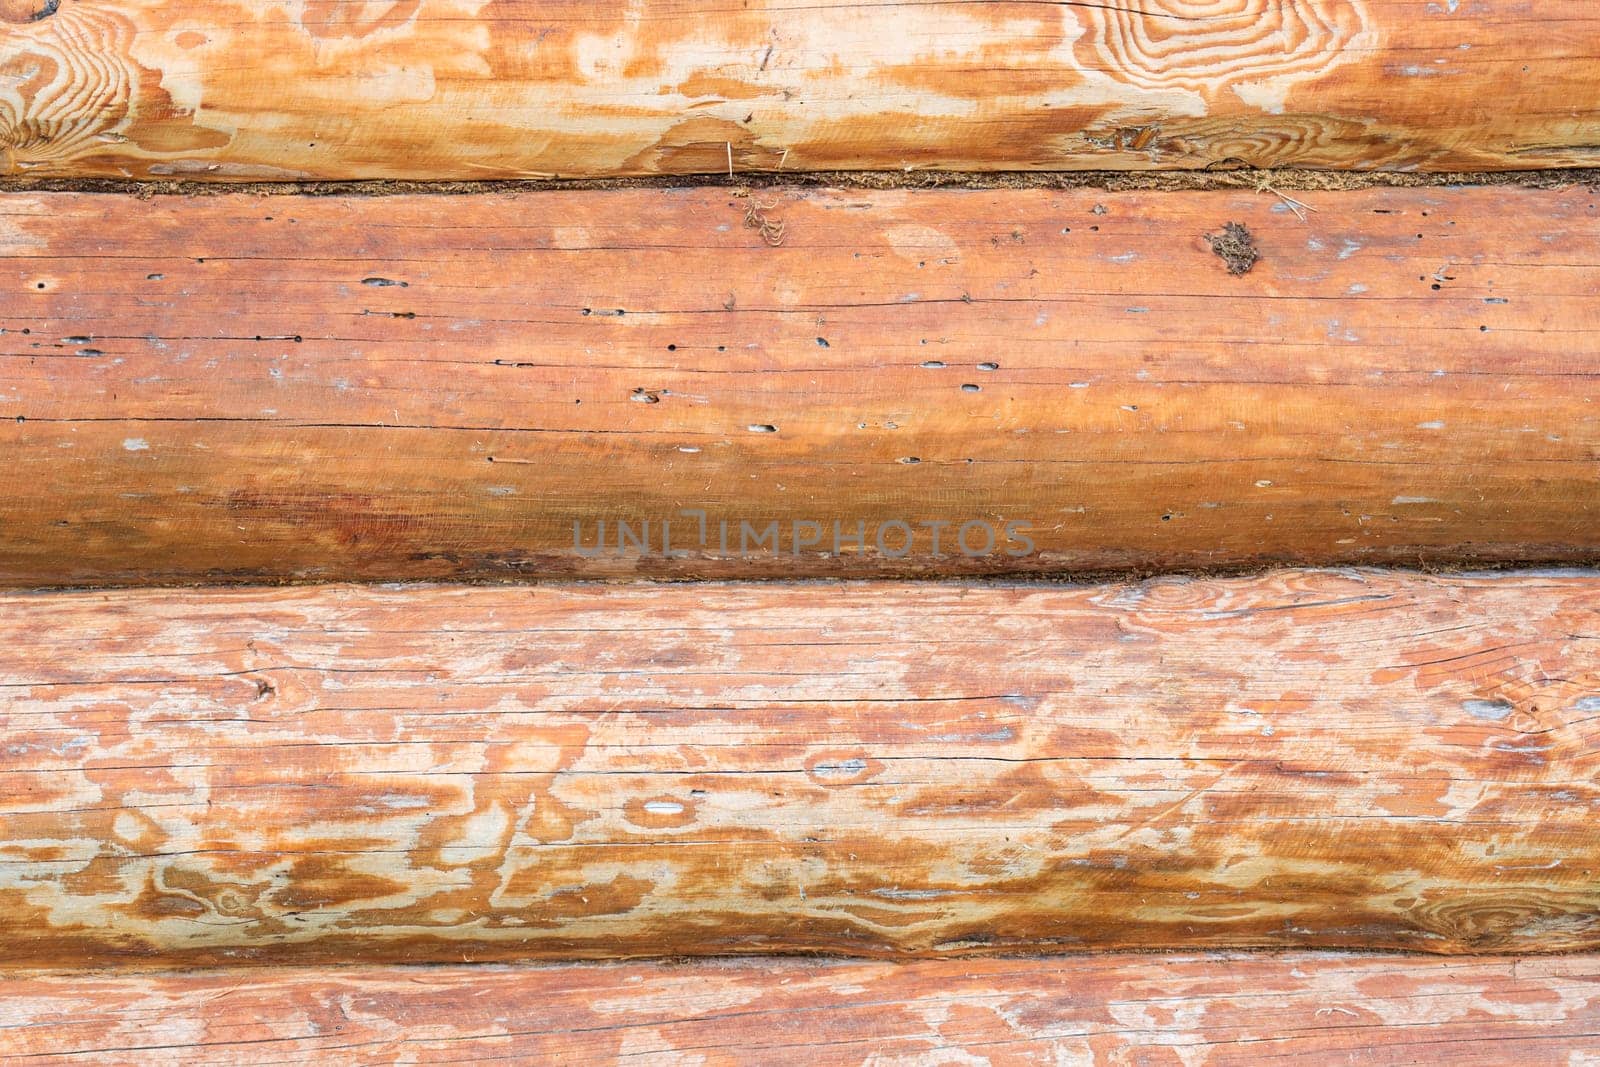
(25, 11)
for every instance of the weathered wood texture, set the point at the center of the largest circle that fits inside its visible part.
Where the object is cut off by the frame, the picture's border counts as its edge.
(1309, 759)
(1146, 1010)
(427, 387)
(516, 88)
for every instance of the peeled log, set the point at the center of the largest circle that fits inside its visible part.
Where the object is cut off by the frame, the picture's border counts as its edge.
(1149, 1010)
(419, 387)
(424, 89)
(1308, 759)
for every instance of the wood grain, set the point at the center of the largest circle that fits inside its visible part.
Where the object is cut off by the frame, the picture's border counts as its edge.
(420, 387)
(469, 89)
(1309, 759)
(1118, 1010)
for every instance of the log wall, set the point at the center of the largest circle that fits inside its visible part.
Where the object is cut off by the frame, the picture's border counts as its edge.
(650, 382)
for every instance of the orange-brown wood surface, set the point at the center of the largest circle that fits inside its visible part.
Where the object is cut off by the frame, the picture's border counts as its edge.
(1307, 759)
(241, 89)
(1118, 1010)
(422, 387)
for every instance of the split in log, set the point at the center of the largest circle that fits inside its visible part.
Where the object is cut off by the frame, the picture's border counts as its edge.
(1150, 1010)
(1308, 759)
(420, 387)
(426, 89)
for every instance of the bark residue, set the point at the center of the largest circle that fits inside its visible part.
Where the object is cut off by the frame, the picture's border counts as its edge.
(1236, 247)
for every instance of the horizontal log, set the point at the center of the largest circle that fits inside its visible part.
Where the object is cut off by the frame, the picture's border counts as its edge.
(1308, 759)
(421, 387)
(574, 88)
(1152, 1010)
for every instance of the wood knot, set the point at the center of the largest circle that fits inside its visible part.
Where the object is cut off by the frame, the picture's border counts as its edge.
(21, 11)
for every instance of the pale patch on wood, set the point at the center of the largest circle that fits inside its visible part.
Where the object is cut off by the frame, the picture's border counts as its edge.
(1258, 49)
